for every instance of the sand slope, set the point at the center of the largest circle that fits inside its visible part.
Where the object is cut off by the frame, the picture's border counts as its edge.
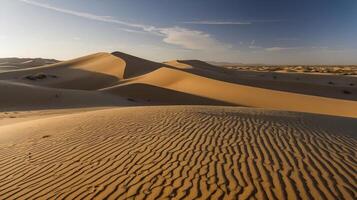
(227, 93)
(176, 82)
(90, 72)
(86, 73)
(181, 152)
(20, 96)
(326, 85)
(25, 62)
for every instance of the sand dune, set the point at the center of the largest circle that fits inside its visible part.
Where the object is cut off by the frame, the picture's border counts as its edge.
(326, 85)
(104, 68)
(184, 82)
(20, 96)
(99, 127)
(177, 82)
(25, 62)
(90, 72)
(180, 152)
(136, 66)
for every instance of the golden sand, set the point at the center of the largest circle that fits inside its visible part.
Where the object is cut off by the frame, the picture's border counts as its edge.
(120, 127)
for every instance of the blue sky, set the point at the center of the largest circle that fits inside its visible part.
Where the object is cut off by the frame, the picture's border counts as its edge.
(248, 31)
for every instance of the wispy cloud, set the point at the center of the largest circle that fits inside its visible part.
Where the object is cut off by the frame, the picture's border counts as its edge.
(191, 39)
(108, 19)
(218, 22)
(287, 39)
(133, 31)
(183, 37)
(281, 48)
(253, 46)
(214, 22)
(319, 47)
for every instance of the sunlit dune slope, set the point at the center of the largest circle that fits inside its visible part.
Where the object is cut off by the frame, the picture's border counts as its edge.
(87, 73)
(228, 93)
(181, 152)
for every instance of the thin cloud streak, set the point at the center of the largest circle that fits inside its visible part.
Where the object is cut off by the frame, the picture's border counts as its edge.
(248, 22)
(287, 39)
(217, 23)
(253, 46)
(281, 48)
(90, 16)
(133, 31)
(183, 37)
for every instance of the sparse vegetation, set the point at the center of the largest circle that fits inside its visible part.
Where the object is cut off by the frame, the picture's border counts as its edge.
(328, 69)
(346, 92)
(39, 76)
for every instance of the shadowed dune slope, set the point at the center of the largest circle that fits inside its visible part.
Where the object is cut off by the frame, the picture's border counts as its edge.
(201, 65)
(158, 95)
(326, 85)
(181, 152)
(236, 94)
(178, 64)
(136, 66)
(21, 96)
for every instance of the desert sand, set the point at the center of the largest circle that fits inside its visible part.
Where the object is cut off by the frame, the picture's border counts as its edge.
(115, 126)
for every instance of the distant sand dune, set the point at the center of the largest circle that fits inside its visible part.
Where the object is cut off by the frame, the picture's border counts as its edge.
(324, 85)
(86, 73)
(234, 94)
(176, 82)
(180, 152)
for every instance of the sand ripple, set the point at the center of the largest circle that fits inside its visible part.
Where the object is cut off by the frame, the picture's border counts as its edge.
(182, 152)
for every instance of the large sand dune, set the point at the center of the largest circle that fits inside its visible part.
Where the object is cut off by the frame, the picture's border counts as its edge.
(229, 93)
(67, 131)
(85, 73)
(90, 72)
(194, 82)
(180, 152)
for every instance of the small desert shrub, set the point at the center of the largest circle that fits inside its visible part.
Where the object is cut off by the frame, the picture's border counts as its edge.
(39, 76)
(346, 92)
